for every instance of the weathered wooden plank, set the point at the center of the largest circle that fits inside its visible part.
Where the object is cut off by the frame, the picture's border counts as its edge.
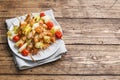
(80, 59)
(37, 77)
(16, 8)
(84, 31)
(101, 8)
(22, 11)
(42, 77)
(64, 8)
(6, 52)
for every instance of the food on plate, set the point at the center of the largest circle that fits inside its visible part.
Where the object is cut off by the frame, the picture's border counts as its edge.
(35, 33)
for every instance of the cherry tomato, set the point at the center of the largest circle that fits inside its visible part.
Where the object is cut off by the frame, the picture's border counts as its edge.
(42, 14)
(49, 25)
(58, 34)
(21, 44)
(25, 52)
(16, 38)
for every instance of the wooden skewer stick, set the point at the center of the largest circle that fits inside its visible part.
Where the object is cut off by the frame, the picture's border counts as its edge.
(32, 58)
(31, 14)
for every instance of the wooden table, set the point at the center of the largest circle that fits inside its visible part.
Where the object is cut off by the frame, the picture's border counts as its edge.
(91, 33)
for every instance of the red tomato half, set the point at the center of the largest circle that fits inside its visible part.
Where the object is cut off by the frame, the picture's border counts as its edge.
(58, 34)
(42, 14)
(25, 52)
(16, 38)
(49, 25)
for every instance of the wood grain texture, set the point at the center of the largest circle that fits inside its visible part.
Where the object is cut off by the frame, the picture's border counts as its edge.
(83, 31)
(91, 33)
(13, 8)
(80, 59)
(39, 77)
(63, 8)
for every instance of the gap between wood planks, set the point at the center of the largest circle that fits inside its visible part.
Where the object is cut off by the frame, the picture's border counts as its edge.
(90, 59)
(64, 74)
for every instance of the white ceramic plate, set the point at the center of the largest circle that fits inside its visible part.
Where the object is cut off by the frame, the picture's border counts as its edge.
(40, 55)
